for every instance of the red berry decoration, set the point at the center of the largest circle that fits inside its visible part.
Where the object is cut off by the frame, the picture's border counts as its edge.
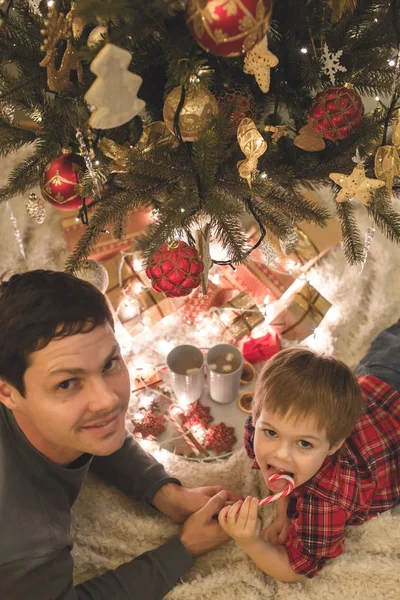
(220, 437)
(148, 424)
(175, 269)
(228, 27)
(61, 179)
(336, 112)
(196, 414)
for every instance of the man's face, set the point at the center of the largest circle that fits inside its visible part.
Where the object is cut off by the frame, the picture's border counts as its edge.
(77, 393)
(288, 445)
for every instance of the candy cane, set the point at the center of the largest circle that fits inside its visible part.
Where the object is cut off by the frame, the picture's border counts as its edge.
(174, 421)
(281, 494)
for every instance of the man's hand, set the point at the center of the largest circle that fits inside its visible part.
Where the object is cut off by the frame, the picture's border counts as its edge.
(277, 532)
(179, 502)
(201, 532)
(241, 521)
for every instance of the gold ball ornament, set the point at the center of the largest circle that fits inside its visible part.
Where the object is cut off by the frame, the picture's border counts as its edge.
(199, 107)
(97, 35)
(94, 273)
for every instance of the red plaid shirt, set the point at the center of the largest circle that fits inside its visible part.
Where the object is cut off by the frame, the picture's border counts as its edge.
(355, 484)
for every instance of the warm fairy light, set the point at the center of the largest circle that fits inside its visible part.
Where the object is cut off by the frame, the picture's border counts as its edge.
(391, 62)
(182, 210)
(303, 50)
(137, 264)
(290, 265)
(137, 287)
(50, 3)
(225, 318)
(214, 278)
(263, 175)
(146, 401)
(97, 162)
(377, 98)
(128, 309)
(139, 416)
(199, 432)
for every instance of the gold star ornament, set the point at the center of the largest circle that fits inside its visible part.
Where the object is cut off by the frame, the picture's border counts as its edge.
(356, 185)
(258, 62)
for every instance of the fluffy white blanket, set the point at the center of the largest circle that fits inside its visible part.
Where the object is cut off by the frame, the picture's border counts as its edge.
(109, 529)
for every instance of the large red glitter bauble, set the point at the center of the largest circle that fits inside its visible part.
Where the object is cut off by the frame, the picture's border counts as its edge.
(228, 27)
(336, 112)
(175, 269)
(61, 179)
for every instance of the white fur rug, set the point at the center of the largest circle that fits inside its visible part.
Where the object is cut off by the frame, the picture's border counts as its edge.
(109, 529)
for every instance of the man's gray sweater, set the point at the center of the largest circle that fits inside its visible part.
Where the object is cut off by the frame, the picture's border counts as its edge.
(36, 497)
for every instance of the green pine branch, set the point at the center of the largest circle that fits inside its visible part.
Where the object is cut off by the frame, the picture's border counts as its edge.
(351, 240)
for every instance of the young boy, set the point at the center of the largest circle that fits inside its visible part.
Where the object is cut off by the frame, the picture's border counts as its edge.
(338, 438)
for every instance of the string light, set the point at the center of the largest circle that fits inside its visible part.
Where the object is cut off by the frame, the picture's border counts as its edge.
(303, 50)
(391, 62)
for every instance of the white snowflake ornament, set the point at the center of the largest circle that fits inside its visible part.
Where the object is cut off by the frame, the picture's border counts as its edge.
(331, 63)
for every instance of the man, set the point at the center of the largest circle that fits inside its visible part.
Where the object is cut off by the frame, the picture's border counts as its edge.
(64, 392)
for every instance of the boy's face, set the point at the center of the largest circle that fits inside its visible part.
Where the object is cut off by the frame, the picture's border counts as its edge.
(72, 385)
(288, 445)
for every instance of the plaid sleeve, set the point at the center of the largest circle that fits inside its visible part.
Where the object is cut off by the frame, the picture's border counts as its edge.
(316, 533)
(249, 441)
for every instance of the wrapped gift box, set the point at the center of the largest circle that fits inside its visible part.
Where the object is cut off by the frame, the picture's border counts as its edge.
(106, 246)
(132, 297)
(241, 316)
(197, 304)
(299, 311)
(260, 281)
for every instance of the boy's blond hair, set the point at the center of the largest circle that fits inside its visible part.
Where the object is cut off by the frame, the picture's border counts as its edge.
(300, 383)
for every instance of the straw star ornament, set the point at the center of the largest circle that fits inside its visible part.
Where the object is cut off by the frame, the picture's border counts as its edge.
(356, 185)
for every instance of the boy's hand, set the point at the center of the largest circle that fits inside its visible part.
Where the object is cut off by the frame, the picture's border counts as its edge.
(277, 532)
(241, 521)
(178, 502)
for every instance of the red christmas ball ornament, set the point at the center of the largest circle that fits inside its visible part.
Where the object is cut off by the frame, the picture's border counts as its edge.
(336, 112)
(61, 179)
(175, 269)
(228, 27)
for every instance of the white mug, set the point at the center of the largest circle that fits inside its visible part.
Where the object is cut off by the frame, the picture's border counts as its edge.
(186, 366)
(224, 368)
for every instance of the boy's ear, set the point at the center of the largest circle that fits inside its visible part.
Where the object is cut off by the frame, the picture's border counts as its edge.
(336, 447)
(6, 394)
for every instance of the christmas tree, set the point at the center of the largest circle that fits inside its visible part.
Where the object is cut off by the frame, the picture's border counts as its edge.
(247, 104)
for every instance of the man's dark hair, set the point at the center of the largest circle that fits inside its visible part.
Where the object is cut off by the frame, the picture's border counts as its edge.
(39, 306)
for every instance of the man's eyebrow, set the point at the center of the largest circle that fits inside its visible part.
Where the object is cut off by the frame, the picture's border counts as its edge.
(79, 370)
(301, 435)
